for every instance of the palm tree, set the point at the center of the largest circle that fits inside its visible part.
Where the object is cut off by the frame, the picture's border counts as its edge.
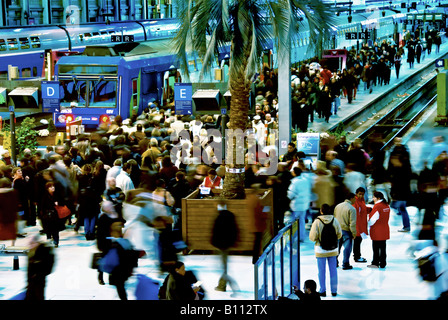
(245, 25)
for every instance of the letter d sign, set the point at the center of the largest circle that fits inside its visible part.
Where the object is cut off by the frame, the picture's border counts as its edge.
(50, 92)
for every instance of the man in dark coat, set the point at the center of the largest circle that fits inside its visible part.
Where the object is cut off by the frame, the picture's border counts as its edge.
(224, 236)
(40, 265)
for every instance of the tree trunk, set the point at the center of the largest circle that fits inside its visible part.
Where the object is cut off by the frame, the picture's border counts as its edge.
(233, 187)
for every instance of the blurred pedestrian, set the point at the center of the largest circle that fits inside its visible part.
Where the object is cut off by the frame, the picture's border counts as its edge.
(40, 264)
(258, 219)
(9, 206)
(50, 214)
(224, 237)
(106, 218)
(299, 192)
(179, 286)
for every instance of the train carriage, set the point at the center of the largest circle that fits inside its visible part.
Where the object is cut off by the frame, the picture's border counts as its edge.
(107, 81)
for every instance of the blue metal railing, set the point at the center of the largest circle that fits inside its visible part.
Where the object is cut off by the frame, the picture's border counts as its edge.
(278, 268)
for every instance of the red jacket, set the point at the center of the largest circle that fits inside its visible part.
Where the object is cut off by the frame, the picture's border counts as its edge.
(361, 217)
(380, 228)
(209, 184)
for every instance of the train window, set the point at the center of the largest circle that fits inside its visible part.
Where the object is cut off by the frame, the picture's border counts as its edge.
(12, 44)
(24, 43)
(96, 34)
(26, 73)
(87, 35)
(73, 91)
(34, 71)
(2, 45)
(3, 75)
(103, 94)
(35, 42)
(104, 33)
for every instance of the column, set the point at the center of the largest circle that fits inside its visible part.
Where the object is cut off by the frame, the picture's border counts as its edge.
(284, 96)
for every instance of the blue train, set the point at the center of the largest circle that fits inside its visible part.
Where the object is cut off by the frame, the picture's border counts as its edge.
(106, 81)
(26, 47)
(115, 79)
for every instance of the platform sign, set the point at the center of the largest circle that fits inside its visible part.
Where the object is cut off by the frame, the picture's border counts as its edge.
(309, 143)
(183, 102)
(50, 96)
(122, 38)
(357, 35)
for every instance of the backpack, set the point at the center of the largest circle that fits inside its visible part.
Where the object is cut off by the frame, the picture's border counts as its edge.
(328, 237)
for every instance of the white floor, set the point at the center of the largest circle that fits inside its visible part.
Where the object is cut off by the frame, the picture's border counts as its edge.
(72, 278)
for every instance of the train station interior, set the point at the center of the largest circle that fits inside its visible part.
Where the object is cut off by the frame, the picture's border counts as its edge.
(83, 63)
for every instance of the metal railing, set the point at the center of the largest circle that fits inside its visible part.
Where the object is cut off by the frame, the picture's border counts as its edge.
(278, 268)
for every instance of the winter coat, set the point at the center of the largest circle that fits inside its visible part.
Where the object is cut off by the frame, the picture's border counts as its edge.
(299, 192)
(323, 188)
(361, 217)
(316, 231)
(346, 215)
(225, 230)
(379, 221)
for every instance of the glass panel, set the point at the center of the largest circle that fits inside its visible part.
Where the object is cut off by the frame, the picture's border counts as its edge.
(269, 271)
(287, 263)
(73, 91)
(24, 43)
(103, 94)
(12, 44)
(87, 70)
(3, 74)
(2, 45)
(278, 268)
(295, 254)
(34, 71)
(261, 284)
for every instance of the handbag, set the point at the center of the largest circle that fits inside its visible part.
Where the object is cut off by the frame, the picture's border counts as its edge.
(63, 211)
(96, 259)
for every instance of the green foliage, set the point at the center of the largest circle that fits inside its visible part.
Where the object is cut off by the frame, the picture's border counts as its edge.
(26, 136)
(339, 131)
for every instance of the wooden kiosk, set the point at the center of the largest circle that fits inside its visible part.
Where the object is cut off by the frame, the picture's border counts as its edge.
(198, 216)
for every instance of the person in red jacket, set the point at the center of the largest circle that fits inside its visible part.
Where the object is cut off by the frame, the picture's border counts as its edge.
(379, 230)
(361, 224)
(212, 180)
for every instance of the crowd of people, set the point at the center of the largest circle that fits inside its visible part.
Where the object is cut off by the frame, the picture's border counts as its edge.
(124, 175)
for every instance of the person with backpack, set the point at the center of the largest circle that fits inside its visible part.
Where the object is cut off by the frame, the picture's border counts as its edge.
(345, 213)
(325, 233)
(378, 223)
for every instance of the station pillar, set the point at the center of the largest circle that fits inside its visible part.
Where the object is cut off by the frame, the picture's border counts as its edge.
(442, 89)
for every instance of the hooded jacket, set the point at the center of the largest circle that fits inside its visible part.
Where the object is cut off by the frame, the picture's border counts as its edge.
(316, 231)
